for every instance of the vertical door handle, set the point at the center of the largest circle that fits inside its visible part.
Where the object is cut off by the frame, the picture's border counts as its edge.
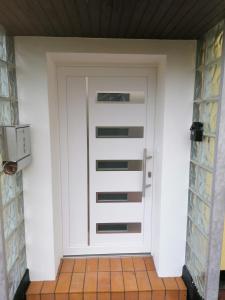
(144, 185)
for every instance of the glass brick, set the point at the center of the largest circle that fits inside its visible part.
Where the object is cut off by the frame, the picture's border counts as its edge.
(200, 56)
(5, 113)
(207, 152)
(204, 183)
(197, 241)
(8, 188)
(12, 82)
(10, 218)
(4, 83)
(212, 80)
(14, 113)
(199, 213)
(209, 116)
(2, 44)
(12, 250)
(19, 182)
(193, 176)
(198, 84)
(10, 49)
(214, 43)
(196, 112)
(195, 150)
(196, 269)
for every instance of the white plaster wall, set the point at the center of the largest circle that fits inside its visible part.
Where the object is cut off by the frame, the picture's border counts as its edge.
(172, 146)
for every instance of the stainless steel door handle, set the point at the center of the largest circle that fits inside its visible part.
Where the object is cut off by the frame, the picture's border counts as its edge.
(144, 185)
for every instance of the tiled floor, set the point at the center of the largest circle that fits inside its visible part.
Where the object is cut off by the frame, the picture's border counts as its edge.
(108, 278)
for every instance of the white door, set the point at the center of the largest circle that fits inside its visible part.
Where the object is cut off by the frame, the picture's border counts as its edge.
(106, 137)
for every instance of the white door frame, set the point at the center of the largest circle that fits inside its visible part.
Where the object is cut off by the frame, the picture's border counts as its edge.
(150, 73)
(97, 59)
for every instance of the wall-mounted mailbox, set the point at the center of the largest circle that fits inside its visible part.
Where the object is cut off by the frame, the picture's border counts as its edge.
(17, 148)
(197, 131)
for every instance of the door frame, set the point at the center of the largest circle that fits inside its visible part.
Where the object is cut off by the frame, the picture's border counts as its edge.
(55, 59)
(150, 72)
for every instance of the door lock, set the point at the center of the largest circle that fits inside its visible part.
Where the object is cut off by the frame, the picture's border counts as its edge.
(149, 174)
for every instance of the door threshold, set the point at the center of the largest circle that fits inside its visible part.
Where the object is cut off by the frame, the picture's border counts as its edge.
(108, 255)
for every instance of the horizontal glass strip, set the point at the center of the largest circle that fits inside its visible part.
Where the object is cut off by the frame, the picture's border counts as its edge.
(118, 227)
(121, 97)
(116, 197)
(113, 97)
(118, 165)
(119, 132)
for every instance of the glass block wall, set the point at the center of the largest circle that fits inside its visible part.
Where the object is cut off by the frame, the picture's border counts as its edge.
(206, 95)
(11, 187)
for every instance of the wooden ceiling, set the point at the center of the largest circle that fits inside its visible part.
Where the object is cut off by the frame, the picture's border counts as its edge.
(161, 19)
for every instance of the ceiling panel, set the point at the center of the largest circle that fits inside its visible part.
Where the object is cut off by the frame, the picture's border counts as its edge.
(162, 19)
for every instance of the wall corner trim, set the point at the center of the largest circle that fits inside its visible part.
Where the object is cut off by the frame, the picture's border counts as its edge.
(23, 286)
(192, 292)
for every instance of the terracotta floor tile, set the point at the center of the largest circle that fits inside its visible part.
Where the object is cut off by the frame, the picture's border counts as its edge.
(34, 290)
(182, 288)
(92, 264)
(79, 265)
(117, 286)
(103, 289)
(48, 290)
(158, 288)
(130, 286)
(144, 286)
(104, 264)
(139, 264)
(115, 265)
(127, 264)
(149, 263)
(172, 290)
(67, 266)
(108, 278)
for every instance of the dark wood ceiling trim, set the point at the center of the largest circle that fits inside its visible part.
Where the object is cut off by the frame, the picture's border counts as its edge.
(93, 11)
(84, 17)
(188, 7)
(41, 17)
(193, 18)
(133, 12)
(6, 10)
(172, 16)
(146, 18)
(138, 12)
(158, 18)
(209, 17)
(167, 19)
(59, 11)
(71, 11)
